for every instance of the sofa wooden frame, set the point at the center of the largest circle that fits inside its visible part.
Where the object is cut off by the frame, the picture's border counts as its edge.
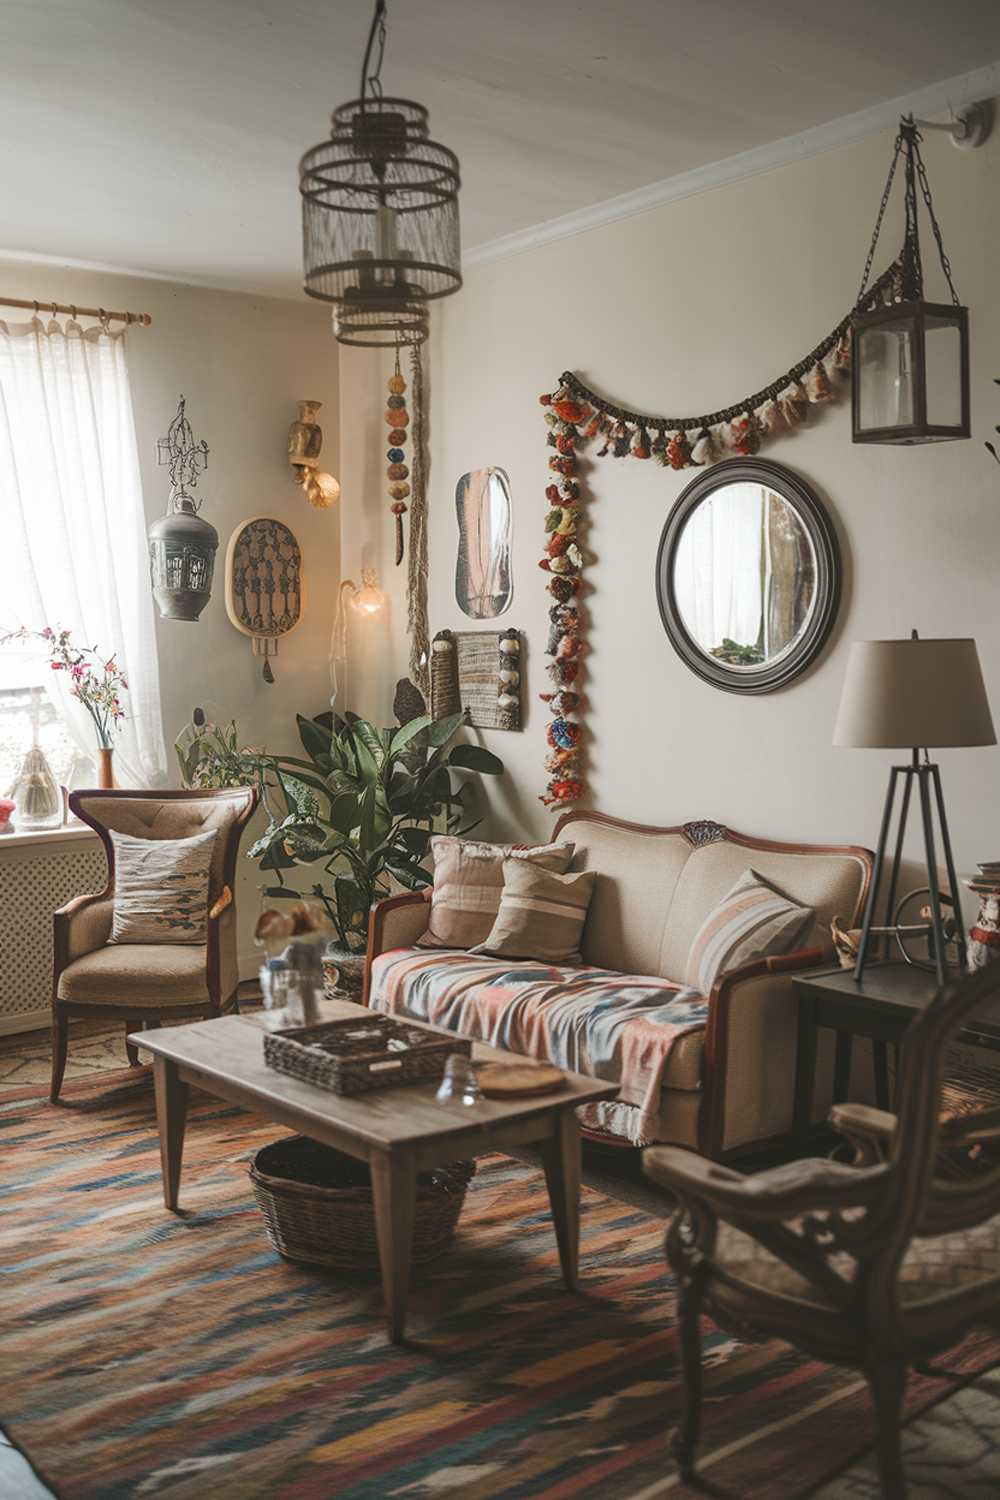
(405, 916)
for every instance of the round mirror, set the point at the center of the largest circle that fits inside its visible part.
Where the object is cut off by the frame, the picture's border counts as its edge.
(748, 575)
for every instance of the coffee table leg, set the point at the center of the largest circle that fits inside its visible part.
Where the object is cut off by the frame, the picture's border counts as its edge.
(561, 1157)
(394, 1187)
(171, 1117)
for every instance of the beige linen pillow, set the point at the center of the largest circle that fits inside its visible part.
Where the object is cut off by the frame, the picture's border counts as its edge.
(161, 889)
(468, 879)
(752, 921)
(541, 914)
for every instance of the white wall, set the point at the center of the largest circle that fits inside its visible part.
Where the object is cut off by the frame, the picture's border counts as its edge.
(686, 308)
(241, 362)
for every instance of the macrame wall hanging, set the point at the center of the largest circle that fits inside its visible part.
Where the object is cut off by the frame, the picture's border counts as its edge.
(578, 416)
(416, 579)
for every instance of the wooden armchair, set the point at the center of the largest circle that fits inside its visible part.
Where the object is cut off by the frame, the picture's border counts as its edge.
(877, 1265)
(143, 983)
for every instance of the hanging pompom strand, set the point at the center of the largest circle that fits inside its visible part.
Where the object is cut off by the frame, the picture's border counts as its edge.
(842, 355)
(678, 452)
(818, 387)
(398, 419)
(640, 448)
(704, 451)
(743, 436)
(793, 404)
(768, 417)
(622, 445)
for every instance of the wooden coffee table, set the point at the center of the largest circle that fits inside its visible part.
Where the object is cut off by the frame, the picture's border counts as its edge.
(398, 1132)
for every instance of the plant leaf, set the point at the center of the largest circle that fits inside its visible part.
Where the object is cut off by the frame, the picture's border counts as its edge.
(315, 741)
(368, 737)
(409, 732)
(476, 758)
(441, 731)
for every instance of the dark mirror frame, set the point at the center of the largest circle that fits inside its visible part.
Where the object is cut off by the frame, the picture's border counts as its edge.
(813, 516)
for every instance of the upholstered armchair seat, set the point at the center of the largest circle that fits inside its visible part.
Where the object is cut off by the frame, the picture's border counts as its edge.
(138, 975)
(142, 982)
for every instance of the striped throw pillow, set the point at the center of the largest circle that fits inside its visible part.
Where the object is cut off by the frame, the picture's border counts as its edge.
(752, 921)
(161, 889)
(468, 879)
(541, 914)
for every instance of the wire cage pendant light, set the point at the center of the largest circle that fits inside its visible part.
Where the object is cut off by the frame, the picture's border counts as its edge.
(380, 224)
(910, 369)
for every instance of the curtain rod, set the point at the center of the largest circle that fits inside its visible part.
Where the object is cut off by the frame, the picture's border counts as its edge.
(85, 312)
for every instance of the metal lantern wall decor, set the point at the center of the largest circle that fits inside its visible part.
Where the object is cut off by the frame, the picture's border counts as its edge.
(380, 213)
(910, 380)
(182, 546)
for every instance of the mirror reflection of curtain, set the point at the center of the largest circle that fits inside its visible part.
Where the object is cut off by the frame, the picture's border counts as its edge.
(482, 574)
(721, 572)
(791, 576)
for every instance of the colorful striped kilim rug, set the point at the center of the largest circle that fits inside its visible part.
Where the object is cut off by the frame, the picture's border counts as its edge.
(146, 1354)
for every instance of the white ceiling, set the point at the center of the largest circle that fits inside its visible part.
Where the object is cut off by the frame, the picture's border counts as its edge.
(163, 136)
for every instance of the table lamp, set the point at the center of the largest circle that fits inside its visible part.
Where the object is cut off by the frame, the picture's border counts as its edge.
(912, 694)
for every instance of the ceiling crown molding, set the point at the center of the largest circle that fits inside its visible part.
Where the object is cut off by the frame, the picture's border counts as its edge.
(937, 98)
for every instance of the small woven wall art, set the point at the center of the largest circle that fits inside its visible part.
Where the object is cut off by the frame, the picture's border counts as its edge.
(264, 584)
(477, 672)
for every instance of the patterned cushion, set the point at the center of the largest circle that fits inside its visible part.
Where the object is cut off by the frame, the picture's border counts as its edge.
(161, 889)
(752, 921)
(641, 1032)
(468, 879)
(541, 914)
(931, 1267)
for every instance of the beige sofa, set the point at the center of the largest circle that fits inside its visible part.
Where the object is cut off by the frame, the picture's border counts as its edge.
(728, 1085)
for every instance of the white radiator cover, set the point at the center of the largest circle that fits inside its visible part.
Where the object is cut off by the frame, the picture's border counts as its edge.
(38, 874)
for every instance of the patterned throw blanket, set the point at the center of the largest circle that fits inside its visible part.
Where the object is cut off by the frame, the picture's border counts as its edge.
(618, 1027)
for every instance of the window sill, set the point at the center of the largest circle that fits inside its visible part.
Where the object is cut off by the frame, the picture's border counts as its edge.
(42, 836)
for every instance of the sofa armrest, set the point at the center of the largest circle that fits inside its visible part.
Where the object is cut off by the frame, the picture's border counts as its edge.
(750, 1052)
(81, 926)
(396, 922)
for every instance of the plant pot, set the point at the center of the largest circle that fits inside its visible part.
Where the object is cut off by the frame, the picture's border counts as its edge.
(343, 974)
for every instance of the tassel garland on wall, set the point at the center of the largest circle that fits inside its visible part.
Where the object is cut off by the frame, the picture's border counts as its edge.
(577, 416)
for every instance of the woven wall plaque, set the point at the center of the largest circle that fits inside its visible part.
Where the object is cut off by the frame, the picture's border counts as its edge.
(478, 671)
(264, 584)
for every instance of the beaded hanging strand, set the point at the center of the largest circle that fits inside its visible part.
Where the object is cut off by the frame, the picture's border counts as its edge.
(398, 419)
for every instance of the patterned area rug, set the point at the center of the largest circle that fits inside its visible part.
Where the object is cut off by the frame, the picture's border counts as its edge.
(95, 1047)
(147, 1354)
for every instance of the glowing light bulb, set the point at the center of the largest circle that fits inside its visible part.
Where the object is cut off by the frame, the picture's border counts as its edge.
(368, 600)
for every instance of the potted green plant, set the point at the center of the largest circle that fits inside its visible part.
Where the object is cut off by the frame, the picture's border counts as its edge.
(359, 811)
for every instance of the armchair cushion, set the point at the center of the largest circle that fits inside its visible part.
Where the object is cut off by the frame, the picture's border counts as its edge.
(468, 881)
(935, 1267)
(161, 888)
(137, 975)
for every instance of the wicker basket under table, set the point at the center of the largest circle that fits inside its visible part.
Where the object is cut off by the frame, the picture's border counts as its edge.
(372, 1052)
(322, 1224)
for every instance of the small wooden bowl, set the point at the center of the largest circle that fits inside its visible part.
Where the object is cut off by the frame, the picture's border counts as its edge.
(519, 1080)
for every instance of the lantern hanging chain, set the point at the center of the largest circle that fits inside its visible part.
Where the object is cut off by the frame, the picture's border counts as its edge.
(886, 192)
(928, 204)
(372, 82)
(184, 458)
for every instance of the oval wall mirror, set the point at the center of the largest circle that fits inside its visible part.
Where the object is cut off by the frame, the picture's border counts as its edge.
(748, 575)
(482, 573)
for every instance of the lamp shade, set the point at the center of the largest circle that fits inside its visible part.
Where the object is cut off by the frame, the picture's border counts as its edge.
(913, 694)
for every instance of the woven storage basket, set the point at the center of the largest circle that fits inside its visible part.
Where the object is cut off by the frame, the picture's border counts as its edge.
(353, 1056)
(324, 1224)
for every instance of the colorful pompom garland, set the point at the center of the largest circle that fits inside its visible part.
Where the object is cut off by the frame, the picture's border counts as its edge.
(398, 420)
(563, 562)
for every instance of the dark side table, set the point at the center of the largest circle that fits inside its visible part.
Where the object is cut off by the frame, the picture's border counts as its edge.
(889, 997)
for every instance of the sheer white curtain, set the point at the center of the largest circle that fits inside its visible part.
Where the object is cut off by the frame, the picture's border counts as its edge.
(73, 523)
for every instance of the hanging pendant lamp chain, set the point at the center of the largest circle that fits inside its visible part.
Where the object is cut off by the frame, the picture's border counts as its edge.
(886, 193)
(372, 82)
(926, 193)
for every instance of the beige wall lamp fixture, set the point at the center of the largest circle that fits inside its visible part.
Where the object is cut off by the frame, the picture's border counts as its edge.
(305, 443)
(365, 601)
(911, 694)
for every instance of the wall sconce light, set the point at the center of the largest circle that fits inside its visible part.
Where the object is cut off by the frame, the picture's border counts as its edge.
(305, 441)
(366, 601)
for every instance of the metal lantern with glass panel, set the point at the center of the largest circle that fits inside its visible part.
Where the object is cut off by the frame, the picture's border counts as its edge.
(182, 546)
(910, 380)
(380, 214)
